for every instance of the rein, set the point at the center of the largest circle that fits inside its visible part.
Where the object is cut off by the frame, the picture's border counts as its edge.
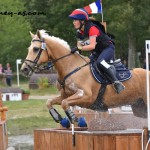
(38, 56)
(62, 83)
(36, 66)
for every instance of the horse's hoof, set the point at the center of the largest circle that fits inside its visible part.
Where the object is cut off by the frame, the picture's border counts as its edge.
(65, 123)
(82, 122)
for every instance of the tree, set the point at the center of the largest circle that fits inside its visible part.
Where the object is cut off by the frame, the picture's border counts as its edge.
(129, 22)
(56, 20)
(126, 19)
(14, 32)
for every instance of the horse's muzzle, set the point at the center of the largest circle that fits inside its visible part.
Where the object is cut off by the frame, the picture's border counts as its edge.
(27, 72)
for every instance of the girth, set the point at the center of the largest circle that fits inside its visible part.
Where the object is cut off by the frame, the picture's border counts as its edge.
(98, 104)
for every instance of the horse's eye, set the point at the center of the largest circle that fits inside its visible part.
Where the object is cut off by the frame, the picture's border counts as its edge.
(36, 49)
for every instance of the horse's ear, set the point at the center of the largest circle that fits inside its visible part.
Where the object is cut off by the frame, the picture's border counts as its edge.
(32, 35)
(38, 34)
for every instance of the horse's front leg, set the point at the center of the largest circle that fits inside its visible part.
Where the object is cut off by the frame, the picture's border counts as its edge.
(54, 113)
(79, 98)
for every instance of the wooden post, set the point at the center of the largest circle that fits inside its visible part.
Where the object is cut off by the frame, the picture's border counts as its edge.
(2, 110)
(145, 139)
(1, 104)
(3, 128)
(3, 113)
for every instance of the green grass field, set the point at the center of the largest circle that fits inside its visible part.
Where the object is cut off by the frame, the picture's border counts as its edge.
(25, 116)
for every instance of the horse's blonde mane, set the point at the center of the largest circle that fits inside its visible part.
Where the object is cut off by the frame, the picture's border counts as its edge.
(61, 41)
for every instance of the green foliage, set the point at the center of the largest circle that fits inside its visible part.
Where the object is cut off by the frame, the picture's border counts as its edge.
(43, 91)
(43, 82)
(25, 116)
(25, 91)
(126, 19)
(56, 20)
(14, 31)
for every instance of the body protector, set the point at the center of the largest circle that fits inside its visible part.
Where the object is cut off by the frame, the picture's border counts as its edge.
(103, 40)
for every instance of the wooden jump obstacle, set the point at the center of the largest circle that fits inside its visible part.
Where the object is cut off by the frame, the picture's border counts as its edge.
(61, 139)
(3, 128)
(132, 138)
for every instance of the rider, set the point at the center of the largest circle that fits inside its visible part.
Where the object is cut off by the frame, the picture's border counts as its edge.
(90, 37)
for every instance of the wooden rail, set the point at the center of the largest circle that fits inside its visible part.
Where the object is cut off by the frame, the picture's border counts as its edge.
(59, 139)
(3, 136)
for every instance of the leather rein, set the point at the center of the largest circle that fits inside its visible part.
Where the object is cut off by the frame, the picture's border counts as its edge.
(37, 67)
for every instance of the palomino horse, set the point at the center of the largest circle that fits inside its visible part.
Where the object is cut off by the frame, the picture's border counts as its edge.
(75, 80)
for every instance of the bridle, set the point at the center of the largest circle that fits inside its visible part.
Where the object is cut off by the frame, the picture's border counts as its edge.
(35, 62)
(37, 67)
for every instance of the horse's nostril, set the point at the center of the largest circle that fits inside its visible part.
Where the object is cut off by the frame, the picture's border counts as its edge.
(25, 70)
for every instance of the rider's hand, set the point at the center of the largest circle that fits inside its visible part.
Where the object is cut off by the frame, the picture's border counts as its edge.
(73, 50)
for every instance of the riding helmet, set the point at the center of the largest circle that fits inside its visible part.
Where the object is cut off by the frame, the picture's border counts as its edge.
(79, 14)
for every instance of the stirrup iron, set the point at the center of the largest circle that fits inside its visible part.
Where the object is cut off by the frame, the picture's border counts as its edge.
(118, 86)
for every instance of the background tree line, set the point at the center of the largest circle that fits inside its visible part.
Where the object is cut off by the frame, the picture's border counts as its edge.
(127, 20)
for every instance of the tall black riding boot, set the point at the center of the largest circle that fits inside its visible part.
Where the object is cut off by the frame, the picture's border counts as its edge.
(111, 75)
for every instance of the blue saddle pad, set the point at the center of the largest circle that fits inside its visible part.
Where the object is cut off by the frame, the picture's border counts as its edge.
(122, 73)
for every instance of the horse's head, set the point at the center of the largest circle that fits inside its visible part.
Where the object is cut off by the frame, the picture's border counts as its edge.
(37, 54)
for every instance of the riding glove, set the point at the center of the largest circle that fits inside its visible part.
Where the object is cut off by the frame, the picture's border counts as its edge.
(73, 50)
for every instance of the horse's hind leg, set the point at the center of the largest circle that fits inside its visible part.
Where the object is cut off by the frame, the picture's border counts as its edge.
(139, 109)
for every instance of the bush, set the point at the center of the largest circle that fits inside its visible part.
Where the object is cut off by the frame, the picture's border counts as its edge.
(25, 91)
(43, 82)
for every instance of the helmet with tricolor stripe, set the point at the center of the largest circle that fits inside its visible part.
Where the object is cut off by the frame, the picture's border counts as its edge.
(79, 14)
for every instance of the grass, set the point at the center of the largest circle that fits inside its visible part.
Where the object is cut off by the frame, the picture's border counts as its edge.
(25, 116)
(45, 91)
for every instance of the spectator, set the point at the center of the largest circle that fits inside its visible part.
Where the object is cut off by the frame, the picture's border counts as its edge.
(1, 69)
(2, 74)
(144, 64)
(125, 63)
(8, 74)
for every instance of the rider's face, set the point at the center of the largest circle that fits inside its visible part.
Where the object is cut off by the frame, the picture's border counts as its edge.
(76, 24)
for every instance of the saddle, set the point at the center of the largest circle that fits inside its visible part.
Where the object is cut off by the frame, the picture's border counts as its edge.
(122, 73)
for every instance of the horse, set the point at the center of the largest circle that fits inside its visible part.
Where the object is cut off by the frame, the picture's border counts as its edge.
(76, 83)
